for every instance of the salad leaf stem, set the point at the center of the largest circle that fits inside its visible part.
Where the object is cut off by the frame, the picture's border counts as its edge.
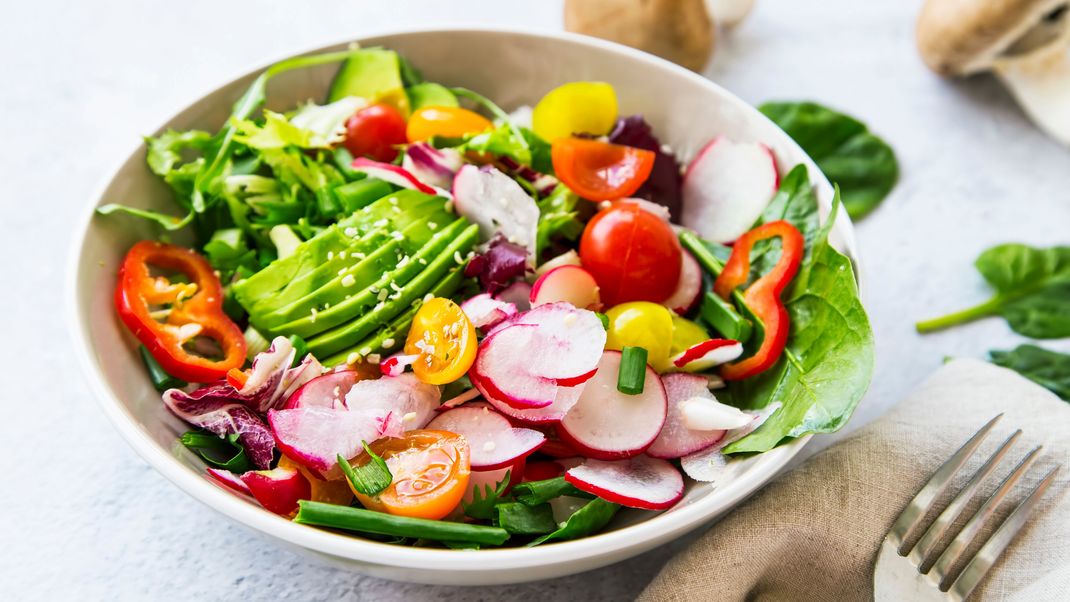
(356, 519)
(984, 310)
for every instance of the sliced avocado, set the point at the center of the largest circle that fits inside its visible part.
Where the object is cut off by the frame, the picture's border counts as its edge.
(363, 300)
(361, 193)
(373, 74)
(395, 332)
(429, 94)
(306, 258)
(346, 335)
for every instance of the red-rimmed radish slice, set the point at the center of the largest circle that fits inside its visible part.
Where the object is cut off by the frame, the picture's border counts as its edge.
(327, 391)
(414, 402)
(569, 257)
(484, 311)
(395, 364)
(606, 424)
(517, 293)
(495, 202)
(570, 284)
(390, 173)
(649, 206)
(493, 440)
(229, 480)
(689, 288)
(278, 490)
(708, 464)
(726, 188)
(564, 399)
(570, 345)
(482, 479)
(501, 368)
(459, 400)
(707, 354)
(676, 439)
(432, 166)
(639, 482)
(315, 436)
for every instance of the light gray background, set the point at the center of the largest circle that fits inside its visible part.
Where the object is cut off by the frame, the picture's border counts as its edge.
(86, 518)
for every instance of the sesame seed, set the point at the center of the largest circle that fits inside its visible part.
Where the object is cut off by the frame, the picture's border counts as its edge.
(489, 446)
(342, 255)
(393, 200)
(428, 297)
(432, 225)
(395, 287)
(330, 255)
(349, 280)
(404, 261)
(409, 417)
(422, 261)
(352, 358)
(341, 271)
(397, 236)
(351, 232)
(365, 350)
(374, 358)
(381, 223)
(448, 206)
(382, 295)
(396, 209)
(388, 343)
(569, 319)
(313, 314)
(359, 256)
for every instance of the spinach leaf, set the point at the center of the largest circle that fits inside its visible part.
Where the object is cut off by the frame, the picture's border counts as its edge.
(862, 164)
(522, 519)
(589, 519)
(534, 493)
(796, 203)
(1049, 369)
(828, 361)
(1032, 291)
(483, 501)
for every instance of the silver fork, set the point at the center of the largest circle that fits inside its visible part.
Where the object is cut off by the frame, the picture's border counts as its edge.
(898, 574)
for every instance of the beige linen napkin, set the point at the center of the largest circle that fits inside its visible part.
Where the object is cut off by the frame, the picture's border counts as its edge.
(814, 533)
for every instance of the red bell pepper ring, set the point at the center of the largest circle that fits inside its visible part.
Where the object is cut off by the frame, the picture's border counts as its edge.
(188, 310)
(762, 297)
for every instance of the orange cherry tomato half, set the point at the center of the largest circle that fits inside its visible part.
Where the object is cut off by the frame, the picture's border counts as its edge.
(445, 341)
(632, 254)
(447, 122)
(599, 170)
(375, 131)
(430, 470)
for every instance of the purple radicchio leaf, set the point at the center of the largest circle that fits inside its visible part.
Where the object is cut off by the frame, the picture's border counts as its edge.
(664, 184)
(218, 409)
(498, 266)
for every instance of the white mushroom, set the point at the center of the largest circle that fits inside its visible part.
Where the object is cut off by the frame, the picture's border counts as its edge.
(1024, 42)
(678, 30)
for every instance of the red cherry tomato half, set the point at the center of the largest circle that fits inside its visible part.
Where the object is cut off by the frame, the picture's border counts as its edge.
(598, 170)
(632, 254)
(375, 131)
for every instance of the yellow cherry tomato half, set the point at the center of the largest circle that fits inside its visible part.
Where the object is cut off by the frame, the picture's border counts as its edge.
(445, 341)
(575, 108)
(685, 334)
(447, 122)
(430, 472)
(642, 324)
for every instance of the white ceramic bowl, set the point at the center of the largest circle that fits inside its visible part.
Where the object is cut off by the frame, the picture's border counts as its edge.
(512, 68)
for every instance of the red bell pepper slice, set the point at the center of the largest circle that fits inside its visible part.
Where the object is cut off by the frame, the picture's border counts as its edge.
(188, 310)
(762, 297)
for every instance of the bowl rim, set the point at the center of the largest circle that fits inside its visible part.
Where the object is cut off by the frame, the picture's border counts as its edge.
(609, 544)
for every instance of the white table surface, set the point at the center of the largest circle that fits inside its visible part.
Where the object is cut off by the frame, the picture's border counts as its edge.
(84, 517)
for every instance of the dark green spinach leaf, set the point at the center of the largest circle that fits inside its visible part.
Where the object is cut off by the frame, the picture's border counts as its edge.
(589, 519)
(1049, 369)
(221, 452)
(522, 519)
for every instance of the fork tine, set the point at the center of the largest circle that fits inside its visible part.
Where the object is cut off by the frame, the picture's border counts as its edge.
(936, 531)
(976, 570)
(919, 506)
(939, 572)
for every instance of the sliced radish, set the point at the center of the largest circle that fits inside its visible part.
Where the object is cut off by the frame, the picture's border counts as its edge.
(569, 257)
(390, 173)
(639, 482)
(726, 188)
(432, 166)
(554, 446)
(570, 284)
(501, 368)
(705, 413)
(494, 441)
(266, 380)
(278, 490)
(607, 424)
(395, 364)
(708, 464)
(707, 354)
(484, 311)
(542, 470)
(229, 480)
(676, 439)
(307, 371)
(496, 203)
(689, 288)
(517, 293)
(570, 342)
(564, 399)
(315, 436)
(459, 400)
(327, 391)
(414, 402)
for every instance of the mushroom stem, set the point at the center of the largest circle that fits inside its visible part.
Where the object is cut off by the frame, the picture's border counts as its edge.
(1041, 83)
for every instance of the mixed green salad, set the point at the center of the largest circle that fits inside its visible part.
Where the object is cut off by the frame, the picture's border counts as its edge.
(411, 315)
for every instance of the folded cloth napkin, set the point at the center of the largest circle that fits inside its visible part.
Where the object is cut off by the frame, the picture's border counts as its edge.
(814, 533)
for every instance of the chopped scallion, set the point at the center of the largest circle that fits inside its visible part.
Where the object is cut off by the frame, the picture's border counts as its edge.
(370, 478)
(632, 375)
